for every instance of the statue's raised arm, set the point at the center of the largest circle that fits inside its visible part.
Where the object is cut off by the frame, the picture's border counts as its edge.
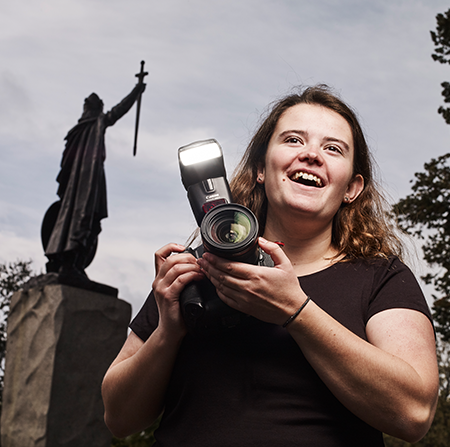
(125, 105)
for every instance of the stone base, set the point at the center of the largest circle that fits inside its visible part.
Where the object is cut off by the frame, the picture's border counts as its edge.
(78, 281)
(61, 340)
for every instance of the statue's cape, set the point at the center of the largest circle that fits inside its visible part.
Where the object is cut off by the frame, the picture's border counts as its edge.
(82, 186)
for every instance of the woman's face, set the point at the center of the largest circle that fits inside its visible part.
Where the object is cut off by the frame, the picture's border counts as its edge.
(309, 164)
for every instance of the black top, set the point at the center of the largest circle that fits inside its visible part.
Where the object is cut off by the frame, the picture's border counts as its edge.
(252, 386)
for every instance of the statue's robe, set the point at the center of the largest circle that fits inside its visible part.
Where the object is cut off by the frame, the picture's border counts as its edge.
(82, 185)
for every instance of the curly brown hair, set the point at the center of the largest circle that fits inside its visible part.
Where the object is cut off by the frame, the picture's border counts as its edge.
(361, 228)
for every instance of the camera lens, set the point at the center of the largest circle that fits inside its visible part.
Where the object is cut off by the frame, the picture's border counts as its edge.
(232, 228)
(231, 231)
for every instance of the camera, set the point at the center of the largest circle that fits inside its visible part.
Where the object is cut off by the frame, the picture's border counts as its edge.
(227, 230)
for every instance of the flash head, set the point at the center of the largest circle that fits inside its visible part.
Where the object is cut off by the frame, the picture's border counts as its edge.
(200, 161)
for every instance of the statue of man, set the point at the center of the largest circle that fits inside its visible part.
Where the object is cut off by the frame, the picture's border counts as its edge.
(71, 226)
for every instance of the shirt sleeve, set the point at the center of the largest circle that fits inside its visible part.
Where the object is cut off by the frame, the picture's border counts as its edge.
(395, 286)
(146, 321)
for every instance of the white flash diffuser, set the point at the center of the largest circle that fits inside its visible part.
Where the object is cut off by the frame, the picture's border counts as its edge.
(200, 161)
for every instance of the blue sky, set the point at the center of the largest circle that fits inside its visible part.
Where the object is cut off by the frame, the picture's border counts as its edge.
(214, 67)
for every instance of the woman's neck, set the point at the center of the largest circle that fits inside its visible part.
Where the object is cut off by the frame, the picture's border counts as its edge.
(308, 246)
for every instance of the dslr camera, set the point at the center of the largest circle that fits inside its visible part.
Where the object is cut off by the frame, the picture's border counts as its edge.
(227, 230)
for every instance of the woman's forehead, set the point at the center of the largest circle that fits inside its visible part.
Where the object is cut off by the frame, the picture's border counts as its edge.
(315, 118)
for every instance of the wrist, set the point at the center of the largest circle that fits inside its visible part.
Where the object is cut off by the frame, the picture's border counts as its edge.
(297, 312)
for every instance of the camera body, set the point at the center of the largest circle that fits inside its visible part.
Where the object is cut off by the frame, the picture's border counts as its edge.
(227, 230)
(204, 313)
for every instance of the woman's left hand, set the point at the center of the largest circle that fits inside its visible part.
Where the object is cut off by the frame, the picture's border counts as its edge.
(269, 294)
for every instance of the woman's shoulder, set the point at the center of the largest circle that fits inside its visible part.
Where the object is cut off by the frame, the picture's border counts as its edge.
(368, 273)
(362, 266)
(380, 264)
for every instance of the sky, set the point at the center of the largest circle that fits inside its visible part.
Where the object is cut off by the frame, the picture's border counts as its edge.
(214, 67)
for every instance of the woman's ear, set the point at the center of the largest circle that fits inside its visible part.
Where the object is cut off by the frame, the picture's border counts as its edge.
(260, 175)
(354, 188)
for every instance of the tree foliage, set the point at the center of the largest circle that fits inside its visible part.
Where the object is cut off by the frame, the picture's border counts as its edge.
(441, 40)
(141, 439)
(426, 214)
(12, 277)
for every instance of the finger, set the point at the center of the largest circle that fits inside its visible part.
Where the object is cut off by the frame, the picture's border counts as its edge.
(229, 295)
(274, 250)
(175, 261)
(229, 288)
(216, 265)
(164, 252)
(179, 274)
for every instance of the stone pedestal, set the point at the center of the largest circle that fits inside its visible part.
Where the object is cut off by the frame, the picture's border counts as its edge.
(61, 340)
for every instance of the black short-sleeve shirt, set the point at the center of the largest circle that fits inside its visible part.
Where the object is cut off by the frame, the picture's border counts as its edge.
(252, 386)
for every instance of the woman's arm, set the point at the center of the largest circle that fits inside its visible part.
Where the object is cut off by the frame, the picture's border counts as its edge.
(391, 381)
(134, 386)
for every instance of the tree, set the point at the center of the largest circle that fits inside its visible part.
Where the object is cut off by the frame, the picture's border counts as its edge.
(441, 40)
(12, 277)
(425, 214)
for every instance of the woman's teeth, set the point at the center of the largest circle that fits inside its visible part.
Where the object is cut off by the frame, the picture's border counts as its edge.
(307, 179)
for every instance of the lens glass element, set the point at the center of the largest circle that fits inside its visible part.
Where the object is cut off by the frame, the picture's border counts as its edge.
(231, 231)
(233, 228)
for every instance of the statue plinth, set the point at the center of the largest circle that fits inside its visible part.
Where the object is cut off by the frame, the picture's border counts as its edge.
(61, 340)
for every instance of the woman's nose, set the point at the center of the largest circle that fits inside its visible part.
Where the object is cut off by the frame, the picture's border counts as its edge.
(311, 155)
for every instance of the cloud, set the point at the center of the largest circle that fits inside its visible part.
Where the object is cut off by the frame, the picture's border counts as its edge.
(213, 68)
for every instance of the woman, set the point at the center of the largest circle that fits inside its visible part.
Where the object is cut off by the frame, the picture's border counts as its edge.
(339, 346)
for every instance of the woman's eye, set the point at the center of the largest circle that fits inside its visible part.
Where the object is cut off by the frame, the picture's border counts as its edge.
(334, 149)
(293, 140)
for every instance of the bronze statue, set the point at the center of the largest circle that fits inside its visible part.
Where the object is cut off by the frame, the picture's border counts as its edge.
(71, 225)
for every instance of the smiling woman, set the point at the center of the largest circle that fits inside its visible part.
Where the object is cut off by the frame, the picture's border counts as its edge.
(337, 346)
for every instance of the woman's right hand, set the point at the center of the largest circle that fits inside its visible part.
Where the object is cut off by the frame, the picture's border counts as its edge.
(173, 274)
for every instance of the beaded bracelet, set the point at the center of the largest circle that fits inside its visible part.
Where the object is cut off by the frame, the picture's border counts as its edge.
(294, 316)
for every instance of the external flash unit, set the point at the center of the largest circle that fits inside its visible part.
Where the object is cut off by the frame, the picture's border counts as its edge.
(227, 230)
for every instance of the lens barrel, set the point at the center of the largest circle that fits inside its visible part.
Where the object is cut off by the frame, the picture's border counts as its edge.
(231, 231)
